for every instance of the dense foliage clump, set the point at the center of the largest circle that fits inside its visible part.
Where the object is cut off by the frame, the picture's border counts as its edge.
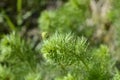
(59, 40)
(69, 17)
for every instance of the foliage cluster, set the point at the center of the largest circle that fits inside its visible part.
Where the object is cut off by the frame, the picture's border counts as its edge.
(70, 17)
(67, 53)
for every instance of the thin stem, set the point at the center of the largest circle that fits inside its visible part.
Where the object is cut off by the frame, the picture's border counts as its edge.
(19, 6)
(19, 11)
(9, 22)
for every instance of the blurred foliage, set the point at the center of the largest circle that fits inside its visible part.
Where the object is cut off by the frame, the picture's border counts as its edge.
(70, 17)
(21, 13)
(59, 40)
(17, 56)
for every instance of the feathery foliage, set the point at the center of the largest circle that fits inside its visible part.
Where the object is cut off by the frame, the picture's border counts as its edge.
(17, 56)
(61, 55)
(71, 16)
(73, 56)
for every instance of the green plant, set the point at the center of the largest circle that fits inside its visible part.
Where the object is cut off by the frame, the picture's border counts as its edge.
(5, 73)
(116, 76)
(62, 55)
(66, 57)
(71, 54)
(17, 56)
(70, 17)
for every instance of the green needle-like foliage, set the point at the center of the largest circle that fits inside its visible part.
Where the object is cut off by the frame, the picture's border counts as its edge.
(17, 56)
(65, 49)
(73, 56)
(66, 57)
(61, 55)
(116, 76)
(5, 73)
(100, 65)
